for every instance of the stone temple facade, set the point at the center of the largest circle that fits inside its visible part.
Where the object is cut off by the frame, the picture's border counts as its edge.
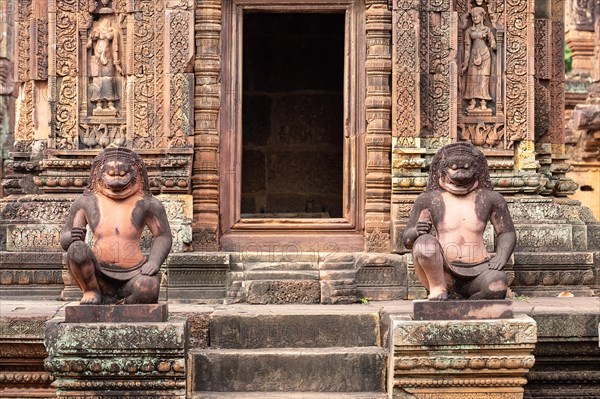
(287, 140)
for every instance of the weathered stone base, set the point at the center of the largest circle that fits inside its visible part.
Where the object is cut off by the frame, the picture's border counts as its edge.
(460, 359)
(117, 313)
(567, 353)
(284, 291)
(117, 360)
(381, 277)
(462, 310)
(22, 350)
(458, 393)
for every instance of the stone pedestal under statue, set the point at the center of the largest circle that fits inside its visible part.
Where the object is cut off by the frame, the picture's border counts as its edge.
(117, 360)
(466, 359)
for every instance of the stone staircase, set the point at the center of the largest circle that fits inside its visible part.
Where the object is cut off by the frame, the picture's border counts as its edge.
(291, 352)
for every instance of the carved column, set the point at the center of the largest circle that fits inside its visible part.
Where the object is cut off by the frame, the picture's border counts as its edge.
(207, 69)
(64, 100)
(24, 128)
(7, 18)
(550, 99)
(378, 139)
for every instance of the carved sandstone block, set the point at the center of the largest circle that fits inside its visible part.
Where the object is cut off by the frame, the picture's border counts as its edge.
(460, 359)
(108, 360)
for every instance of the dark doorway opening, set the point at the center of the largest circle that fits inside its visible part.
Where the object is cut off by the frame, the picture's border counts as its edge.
(293, 115)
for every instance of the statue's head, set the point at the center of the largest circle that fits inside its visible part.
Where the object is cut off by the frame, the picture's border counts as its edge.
(118, 172)
(477, 13)
(459, 168)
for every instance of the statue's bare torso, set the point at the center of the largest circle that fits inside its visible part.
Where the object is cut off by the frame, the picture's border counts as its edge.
(459, 229)
(116, 229)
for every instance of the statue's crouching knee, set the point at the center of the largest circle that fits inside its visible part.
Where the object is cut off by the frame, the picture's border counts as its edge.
(494, 285)
(145, 290)
(427, 248)
(79, 253)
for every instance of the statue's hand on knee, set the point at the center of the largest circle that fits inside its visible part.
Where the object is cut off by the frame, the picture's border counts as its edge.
(497, 263)
(423, 227)
(150, 269)
(77, 234)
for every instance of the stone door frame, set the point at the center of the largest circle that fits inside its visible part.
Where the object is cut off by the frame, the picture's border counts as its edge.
(347, 231)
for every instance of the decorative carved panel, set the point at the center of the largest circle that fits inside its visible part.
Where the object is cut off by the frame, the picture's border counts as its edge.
(463, 71)
(406, 68)
(117, 73)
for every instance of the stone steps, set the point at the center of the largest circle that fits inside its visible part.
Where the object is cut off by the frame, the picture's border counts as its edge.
(294, 327)
(289, 369)
(289, 395)
(291, 352)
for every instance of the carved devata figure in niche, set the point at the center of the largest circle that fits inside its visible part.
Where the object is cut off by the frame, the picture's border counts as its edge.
(116, 205)
(458, 202)
(105, 63)
(477, 63)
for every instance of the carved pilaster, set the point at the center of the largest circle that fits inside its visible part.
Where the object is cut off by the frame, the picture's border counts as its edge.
(65, 135)
(161, 99)
(406, 68)
(39, 49)
(7, 22)
(24, 129)
(442, 73)
(543, 70)
(180, 36)
(519, 72)
(23, 15)
(143, 63)
(24, 104)
(207, 70)
(410, 109)
(378, 139)
(550, 100)
(556, 130)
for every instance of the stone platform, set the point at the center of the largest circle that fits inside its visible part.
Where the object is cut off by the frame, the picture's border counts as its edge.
(462, 310)
(280, 338)
(116, 313)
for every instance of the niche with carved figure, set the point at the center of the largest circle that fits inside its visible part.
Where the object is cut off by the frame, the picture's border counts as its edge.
(480, 65)
(102, 121)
